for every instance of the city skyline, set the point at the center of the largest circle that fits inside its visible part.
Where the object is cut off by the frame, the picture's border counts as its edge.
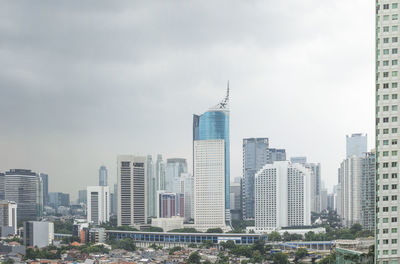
(78, 117)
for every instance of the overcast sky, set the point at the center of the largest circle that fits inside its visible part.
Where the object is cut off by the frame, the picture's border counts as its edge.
(84, 81)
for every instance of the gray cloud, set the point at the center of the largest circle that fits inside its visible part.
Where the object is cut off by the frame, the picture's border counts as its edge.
(84, 81)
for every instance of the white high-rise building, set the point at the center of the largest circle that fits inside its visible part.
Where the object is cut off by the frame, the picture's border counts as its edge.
(131, 190)
(8, 218)
(98, 204)
(209, 184)
(283, 196)
(387, 134)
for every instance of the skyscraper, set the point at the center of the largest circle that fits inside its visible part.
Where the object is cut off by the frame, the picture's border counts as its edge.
(368, 191)
(26, 189)
(131, 190)
(82, 196)
(210, 132)
(45, 180)
(103, 176)
(283, 196)
(170, 204)
(187, 190)
(356, 145)
(8, 218)
(173, 170)
(160, 173)
(387, 136)
(255, 156)
(98, 204)
(256, 153)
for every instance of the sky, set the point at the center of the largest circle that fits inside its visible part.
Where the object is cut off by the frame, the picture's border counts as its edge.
(84, 81)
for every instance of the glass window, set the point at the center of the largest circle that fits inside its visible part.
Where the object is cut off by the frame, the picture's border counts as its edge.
(395, 5)
(394, 152)
(394, 119)
(394, 51)
(385, 17)
(394, 39)
(395, 17)
(386, 29)
(395, 28)
(394, 85)
(386, 74)
(385, 63)
(394, 107)
(394, 62)
(386, 6)
(394, 208)
(385, 40)
(394, 73)
(385, 142)
(394, 96)
(385, 51)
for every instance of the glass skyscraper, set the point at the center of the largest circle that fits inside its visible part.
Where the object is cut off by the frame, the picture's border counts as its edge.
(214, 124)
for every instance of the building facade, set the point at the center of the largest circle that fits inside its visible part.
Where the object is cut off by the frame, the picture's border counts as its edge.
(213, 126)
(98, 204)
(173, 171)
(368, 191)
(150, 187)
(131, 190)
(26, 189)
(188, 192)
(8, 218)
(103, 176)
(387, 125)
(38, 234)
(170, 204)
(57, 199)
(45, 181)
(283, 196)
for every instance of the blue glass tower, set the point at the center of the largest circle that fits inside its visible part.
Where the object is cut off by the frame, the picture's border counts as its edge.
(214, 124)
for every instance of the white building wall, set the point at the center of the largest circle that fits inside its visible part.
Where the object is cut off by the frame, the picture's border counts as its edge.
(209, 184)
(98, 211)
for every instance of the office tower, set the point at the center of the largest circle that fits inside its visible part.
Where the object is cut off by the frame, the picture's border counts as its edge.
(276, 154)
(82, 196)
(2, 186)
(45, 180)
(236, 201)
(38, 234)
(103, 176)
(331, 201)
(255, 156)
(8, 218)
(98, 204)
(356, 145)
(187, 190)
(350, 183)
(210, 132)
(173, 170)
(324, 199)
(115, 200)
(131, 190)
(283, 196)
(368, 191)
(151, 185)
(160, 173)
(170, 204)
(209, 184)
(57, 199)
(26, 189)
(301, 160)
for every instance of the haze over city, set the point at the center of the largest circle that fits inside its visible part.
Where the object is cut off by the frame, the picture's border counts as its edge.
(84, 82)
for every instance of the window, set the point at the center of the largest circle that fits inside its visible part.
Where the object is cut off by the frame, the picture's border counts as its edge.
(386, 164)
(385, 51)
(385, 63)
(394, 96)
(394, 230)
(394, 186)
(395, 28)
(385, 231)
(385, 198)
(394, 119)
(385, 209)
(394, 175)
(394, 62)
(395, 17)
(386, 108)
(385, 17)
(394, 73)
(394, 152)
(394, 5)
(394, 197)
(385, 142)
(394, 85)
(386, 97)
(385, 187)
(394, 130)
(386, 220)
(394, 107)
(386, 29)
(386, 131)
(385, 85)
(394, 219)
(386, 153)
(386, 6)
(386, 74)
(394, 164)
(385, 241)
(385, 40)
(395, 39)
(394, 208)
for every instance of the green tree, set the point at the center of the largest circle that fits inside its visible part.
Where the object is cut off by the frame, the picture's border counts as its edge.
(299, 254)
(194, 258)
(207, 244)
(174, 249)
(355, 228)
(228, 244)
(184, 230)
(214, 230)
(274, 236)
(192, 245)
(126, 243)
(280, 258)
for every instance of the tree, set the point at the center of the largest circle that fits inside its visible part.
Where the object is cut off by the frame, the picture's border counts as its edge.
(174, 249)
(126, 243)
(258, 245)
(185, 230)
(299, 254)
(194, 258)
(274, 236)
(356, 228)
(192, 245)
(214, 230)
(280, 258)
(207, 244)
(228, 244)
